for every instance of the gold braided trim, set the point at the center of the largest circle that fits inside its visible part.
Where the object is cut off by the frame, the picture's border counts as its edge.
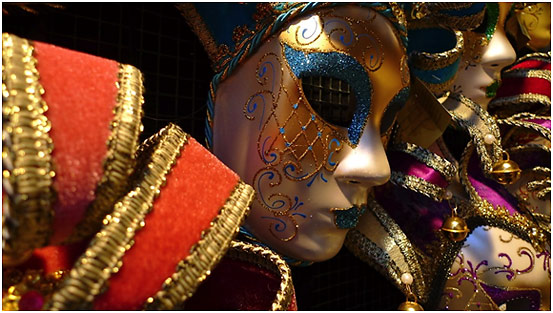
(528, 73)
(543, 131)
(520, 99)
(425, 156)
(528, 148)
(206, 253)
(103, 257)
(529, 116)
(418, 184)
(438, 60)
(478, 122)
(536, 55)
(122, 145)
(499, 216)
(27, 168)
(271, 261)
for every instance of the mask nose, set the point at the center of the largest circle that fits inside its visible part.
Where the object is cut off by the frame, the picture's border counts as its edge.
(498, 54)
(366, 165)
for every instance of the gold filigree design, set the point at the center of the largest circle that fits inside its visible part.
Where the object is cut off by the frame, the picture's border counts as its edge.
(528, 73)
(499, 216)
(17, 283)
(207, 252)
(271, 261)
(122, 144)
(103, 257)
(434, 61)
(419, 185)
(27, 165)
(447, 169)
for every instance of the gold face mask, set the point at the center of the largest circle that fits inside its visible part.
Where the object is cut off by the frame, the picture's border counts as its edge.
(312, 162)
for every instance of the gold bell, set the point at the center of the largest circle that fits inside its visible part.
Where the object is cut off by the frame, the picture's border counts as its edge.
(410, 306)
(506, 171)
(455, 228)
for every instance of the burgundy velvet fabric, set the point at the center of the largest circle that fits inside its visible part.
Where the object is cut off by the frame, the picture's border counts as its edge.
(236, 285)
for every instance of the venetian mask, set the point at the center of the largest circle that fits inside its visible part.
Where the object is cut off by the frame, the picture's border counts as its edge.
(494, 266)
(487, 52)
(302, 120)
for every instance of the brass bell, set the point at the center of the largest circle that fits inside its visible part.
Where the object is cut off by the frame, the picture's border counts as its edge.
(506, 171)
(455, 228)
(410, 306)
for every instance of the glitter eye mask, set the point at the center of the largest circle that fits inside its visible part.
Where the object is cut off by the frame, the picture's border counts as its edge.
(340, 66)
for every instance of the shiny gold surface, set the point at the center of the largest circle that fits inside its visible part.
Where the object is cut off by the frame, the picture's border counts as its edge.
(455, 228)
(410, 306)
(506, 171)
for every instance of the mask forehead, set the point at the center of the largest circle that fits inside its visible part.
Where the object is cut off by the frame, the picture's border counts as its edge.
(350, 44)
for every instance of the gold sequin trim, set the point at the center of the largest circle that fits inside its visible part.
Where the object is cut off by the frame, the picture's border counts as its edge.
(478, 122)
(457, 22)
(194, 20)
(103, 257)
(430, 159)
(122, 145)
(520, 99)
(271, 261)
(528, 73)
(542, 56)
(27, 168)
(206, 253)
(499, 216)
(438, 60)
(404, 245)
(419, 185)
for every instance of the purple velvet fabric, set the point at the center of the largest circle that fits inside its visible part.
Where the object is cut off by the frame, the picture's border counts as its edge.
(406, 164)
(490, 190)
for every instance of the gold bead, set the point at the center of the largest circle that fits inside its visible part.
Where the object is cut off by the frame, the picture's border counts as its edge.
(410, 306)
(455, 228)
(506, 171)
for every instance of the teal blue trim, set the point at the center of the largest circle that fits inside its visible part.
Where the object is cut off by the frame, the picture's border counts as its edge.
(438, 76)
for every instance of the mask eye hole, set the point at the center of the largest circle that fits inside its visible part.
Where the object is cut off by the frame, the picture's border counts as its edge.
(331, 98)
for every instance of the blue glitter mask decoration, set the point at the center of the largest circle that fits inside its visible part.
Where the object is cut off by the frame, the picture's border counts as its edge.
(340, 66)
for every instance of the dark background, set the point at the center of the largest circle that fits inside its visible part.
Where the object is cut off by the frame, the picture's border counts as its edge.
(152, 37)
(156, 39)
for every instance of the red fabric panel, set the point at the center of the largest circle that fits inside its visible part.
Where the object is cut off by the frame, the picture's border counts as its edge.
(80, 92)
(55, 258)
(197, 187)
(533, 64)
(517, 86)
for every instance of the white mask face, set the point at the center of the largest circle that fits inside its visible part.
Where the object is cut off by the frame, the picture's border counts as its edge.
(311, 167)
(482, 64)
